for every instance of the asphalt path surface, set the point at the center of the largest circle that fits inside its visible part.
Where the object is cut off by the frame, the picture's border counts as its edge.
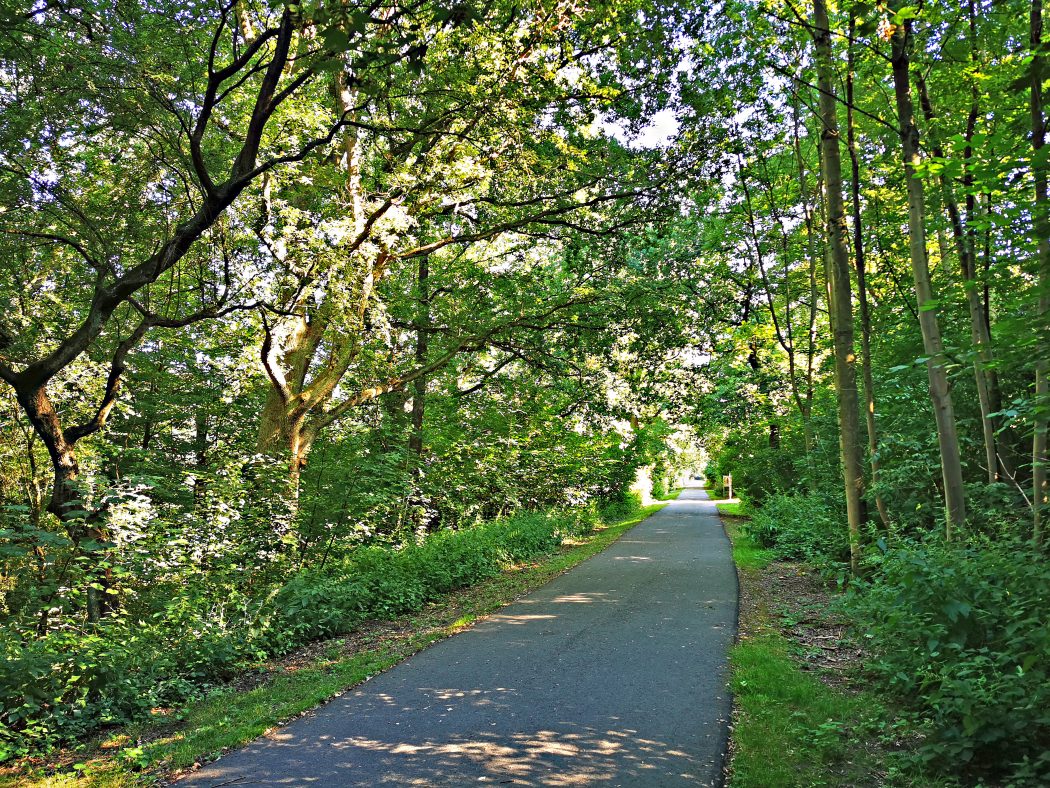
(612, 674)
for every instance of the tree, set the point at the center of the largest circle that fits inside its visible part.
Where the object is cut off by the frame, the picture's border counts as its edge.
(839, 288)
(190, 141)
(1042, 227)
(440, 164)
(940, 392)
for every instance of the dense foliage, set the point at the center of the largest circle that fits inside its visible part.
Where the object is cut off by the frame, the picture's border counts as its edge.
(938, 121)
(312, 311)
(959, 634)
(70, 680)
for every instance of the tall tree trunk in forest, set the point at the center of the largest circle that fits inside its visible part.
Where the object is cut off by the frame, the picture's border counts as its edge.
(200, 456)
(67, 503)
(1042, 228)
(283, 432)
(860, 263)
(35, 494)
(940, 391)
(814, 264)
(755, 363)
(986, 260)
(147, 422)
(289, 351)
(785, 333)
(419, 387)
(841, 298)
(985, 377)
(1007, 446)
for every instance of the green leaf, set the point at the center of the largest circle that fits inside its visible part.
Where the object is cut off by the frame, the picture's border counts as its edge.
(335, 39)
(903, 14)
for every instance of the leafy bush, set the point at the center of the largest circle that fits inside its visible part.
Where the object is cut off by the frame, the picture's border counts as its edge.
(584, 520)
(660, 488)
(805, 526)
(960, 636)
(626, 505)
(60, 686)
(763, 471)
(375, 582)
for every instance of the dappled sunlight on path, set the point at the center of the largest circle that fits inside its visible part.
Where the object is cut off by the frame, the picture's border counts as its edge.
(543, 757)
(612, 674)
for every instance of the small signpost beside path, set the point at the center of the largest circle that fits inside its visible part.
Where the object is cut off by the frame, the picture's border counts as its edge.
(727, 484)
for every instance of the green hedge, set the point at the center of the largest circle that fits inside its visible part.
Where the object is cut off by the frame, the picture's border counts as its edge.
(805, 526)
(56, 688)
(961, 636)
(375, 582)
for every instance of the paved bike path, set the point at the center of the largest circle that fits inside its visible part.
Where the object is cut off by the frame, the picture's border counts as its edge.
(613, 674)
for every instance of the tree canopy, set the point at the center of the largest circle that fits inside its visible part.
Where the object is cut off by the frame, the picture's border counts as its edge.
(282, 283)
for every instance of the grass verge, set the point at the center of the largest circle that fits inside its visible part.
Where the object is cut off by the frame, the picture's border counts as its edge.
(732, 509)
(789, 727)
(147, 754)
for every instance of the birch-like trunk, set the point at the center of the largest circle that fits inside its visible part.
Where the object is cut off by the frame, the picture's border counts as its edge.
(860, 263)
(813, 253)
(840, 290)
(985, 377)
(419, 386)
(1042, 228)
(940, 390)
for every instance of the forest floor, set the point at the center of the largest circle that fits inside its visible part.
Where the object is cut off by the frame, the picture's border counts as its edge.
(180, 740)
(801, 716)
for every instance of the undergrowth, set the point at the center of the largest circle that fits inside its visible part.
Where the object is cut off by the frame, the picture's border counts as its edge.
(57, 688)
(201, 728)
(957, 636)
(790, 729)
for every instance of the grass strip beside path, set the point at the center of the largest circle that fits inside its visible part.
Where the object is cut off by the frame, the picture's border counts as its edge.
(732, 509)
(148, 754)
(789, 727)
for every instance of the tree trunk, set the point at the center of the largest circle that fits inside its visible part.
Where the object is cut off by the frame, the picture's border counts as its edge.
(419, 387)
(841, 299)
(200, 452)
(283, 434)
(66, 501)
(814, 255)
(291, 348)
(860, 263)
(1042, 228)
(785, 334)
(940, 391)
(44, 418)
(985, 377)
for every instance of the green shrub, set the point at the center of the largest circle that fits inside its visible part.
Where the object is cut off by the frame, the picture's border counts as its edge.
(583, 520)
(529, 535)
(375, 582)
(58, 687)
(628, 504)
(63, 685)
(660, 488)
(805, 526)
(960, 636)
